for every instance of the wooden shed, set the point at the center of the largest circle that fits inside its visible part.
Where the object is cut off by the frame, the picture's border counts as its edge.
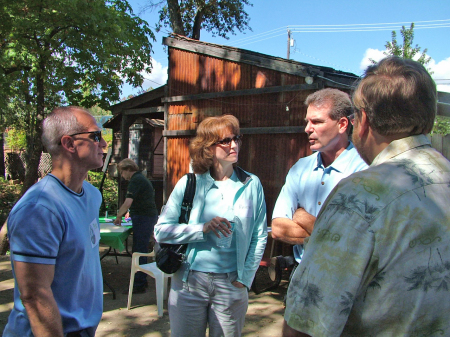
(265, 93)
(138, 125)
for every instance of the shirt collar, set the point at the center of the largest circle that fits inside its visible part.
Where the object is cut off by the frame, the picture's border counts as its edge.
(339, 164)
(400, 146)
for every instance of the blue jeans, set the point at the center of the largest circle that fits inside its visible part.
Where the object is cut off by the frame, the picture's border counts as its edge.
(207, 299)
(142, 232)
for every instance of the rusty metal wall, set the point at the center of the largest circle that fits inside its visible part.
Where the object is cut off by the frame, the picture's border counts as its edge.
(269, 156)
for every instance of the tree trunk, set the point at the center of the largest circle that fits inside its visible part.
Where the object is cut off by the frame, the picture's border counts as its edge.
(32, 167)
(175, 17)
(34, 144)
(197, 25)
(2, 156)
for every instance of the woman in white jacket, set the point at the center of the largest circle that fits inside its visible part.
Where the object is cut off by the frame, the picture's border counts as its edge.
(211, 287)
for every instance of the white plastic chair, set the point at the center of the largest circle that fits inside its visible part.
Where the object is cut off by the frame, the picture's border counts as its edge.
(152, 270)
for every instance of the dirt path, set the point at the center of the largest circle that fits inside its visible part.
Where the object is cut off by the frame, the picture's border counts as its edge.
(264, 317)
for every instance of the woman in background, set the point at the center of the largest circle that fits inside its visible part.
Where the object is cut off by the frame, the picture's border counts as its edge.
(211, 287)
(140, 200)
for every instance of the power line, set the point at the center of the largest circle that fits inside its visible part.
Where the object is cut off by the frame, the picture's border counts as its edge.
(371, 24)
(368, 29)
(257, 35)
(344, 28)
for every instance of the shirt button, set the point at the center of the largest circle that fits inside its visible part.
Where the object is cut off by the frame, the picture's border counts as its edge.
(323, 183)
(319, 203)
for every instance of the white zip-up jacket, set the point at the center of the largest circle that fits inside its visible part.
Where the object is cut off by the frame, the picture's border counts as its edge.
(249, 205)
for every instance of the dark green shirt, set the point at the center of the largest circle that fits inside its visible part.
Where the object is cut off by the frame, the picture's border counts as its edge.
(140, 189)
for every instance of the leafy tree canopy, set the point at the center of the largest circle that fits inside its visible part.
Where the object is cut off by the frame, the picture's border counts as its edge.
(74, 52)
(406, 50)
(82, 49)
(189, 17)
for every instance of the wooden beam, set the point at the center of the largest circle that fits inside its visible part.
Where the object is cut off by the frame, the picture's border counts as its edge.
(443, 109)
(141, 111)
(272, 130)
(245, 92)
(245, 131)
(242, 56)
(138, 100)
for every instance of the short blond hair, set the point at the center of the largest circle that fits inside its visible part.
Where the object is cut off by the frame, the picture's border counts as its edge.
(127, 165)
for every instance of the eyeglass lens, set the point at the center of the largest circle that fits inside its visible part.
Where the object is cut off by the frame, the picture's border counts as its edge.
(96, 136)
(228, 140)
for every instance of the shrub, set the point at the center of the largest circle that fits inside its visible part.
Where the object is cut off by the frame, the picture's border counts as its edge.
(110, 191)
(9, 195)
(16, 140)
(441, 125)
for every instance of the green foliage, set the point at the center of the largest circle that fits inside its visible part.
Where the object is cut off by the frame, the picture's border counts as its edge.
(80, 49)
(9, 195)
(108, 137)
(406, 50)
(16, 140)
(61, 52)
(110, 191)
(188, 17)
(96, 110)
(441, 126)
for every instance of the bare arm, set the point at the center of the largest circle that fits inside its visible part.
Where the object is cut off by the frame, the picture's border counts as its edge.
(293, 231)
(123, 210)
(289, 332)
(34, 282)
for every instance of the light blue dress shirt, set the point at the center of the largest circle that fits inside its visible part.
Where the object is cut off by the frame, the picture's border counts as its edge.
(308, 184)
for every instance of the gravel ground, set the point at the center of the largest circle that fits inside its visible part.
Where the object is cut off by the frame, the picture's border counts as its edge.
(264, 316)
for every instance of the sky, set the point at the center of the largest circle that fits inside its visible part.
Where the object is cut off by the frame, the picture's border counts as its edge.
(339, 34)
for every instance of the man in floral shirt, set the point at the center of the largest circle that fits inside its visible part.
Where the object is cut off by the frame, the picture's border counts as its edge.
(378, 260)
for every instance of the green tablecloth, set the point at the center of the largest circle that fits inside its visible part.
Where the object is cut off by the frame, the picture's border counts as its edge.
(114, 236)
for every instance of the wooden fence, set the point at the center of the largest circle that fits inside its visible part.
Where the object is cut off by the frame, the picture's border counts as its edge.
(441, 143)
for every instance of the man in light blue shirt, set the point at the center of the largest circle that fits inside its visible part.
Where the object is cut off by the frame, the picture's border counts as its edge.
(312, 178)
(54, 235)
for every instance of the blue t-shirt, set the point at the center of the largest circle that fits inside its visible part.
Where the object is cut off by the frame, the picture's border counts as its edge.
(51, 224)
(309, 183)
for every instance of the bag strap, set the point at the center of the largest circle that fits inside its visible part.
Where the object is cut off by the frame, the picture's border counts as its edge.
(188, 198)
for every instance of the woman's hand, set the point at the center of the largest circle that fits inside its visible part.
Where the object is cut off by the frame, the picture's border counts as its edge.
(118, 221)
(237, 284)
(216, 225)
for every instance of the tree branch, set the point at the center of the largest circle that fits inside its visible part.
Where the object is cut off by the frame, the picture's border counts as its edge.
(175, 17)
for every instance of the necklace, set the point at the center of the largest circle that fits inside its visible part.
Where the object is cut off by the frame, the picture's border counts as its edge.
(221, 187)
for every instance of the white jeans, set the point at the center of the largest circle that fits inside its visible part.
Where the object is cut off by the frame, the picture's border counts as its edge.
(207, 299)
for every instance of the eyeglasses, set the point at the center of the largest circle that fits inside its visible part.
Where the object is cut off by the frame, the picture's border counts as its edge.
(351, 118)
(96, 136)
(227, 141)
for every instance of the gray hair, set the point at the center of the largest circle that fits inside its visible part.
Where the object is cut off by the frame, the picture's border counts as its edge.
(341, 105)
(60, 122)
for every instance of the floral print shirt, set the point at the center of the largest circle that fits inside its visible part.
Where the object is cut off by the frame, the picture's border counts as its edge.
(378, 260)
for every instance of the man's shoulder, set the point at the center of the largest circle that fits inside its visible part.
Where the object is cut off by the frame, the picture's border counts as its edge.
(89, 188)
(301, 164)
(351, 160)
(392, 180)
(42, 190)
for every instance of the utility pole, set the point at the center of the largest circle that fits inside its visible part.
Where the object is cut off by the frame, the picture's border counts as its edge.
(288, 44)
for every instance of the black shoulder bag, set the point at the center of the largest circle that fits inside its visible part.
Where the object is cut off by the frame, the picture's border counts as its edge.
(170, 256)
